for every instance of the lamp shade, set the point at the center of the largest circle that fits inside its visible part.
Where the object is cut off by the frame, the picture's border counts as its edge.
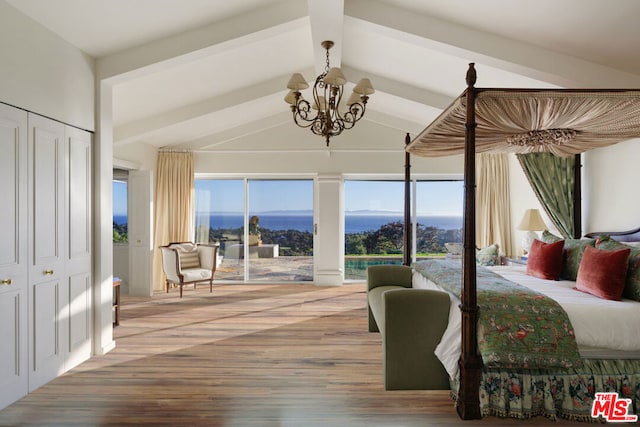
(353, 99)
(364, 87)
(290, 98)
(297, 82)
(335, 77)
(532, 221)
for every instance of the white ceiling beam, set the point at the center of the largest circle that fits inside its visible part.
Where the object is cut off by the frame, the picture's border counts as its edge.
(223, 141)
(465, 42)
(394, 122)
(142, 129)
(146, 128)
(399, 89)
(219, 140)
(213, 38)
(326, 19)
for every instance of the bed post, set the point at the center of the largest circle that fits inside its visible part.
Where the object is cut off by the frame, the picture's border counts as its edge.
(468, 404)
(406, 257)
(577, 197)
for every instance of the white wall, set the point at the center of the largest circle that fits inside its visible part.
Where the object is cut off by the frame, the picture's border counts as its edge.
(368, 148)
(121, 265)
(297, 153)
(604, 169)
(138, 156)
(42, 73)
(611, 187)
(610, 182)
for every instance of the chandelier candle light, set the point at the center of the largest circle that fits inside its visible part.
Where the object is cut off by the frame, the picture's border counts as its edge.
(328, 121)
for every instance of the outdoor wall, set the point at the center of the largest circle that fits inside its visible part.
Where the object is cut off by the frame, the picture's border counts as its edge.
(40, 72)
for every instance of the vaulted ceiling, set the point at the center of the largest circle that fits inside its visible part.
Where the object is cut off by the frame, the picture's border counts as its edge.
(211, 74)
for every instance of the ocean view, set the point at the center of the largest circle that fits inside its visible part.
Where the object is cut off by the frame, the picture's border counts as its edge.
(353, 223)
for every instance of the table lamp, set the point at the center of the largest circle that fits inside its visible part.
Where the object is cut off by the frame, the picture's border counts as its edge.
(531, 223)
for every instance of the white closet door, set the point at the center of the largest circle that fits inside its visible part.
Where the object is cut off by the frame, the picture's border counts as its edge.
(48, 287)
(13, 255)
(78, 260)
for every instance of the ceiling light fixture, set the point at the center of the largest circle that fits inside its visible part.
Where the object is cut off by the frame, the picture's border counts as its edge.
(327, 95)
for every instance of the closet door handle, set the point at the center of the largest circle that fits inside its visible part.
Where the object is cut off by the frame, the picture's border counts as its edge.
(48, 272)
(5, 282)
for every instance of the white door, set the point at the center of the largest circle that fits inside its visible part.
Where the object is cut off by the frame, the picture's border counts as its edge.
(13, 255)
(140, 192)
(48, 287)
(78, 262)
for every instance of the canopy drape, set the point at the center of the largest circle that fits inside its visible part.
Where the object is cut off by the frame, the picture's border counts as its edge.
(552, 180)
(561, 121)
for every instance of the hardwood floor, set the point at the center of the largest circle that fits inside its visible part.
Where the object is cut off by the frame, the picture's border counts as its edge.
(244, 355)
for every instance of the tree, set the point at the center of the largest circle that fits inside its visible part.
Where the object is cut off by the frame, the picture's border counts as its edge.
(120, 233)
(388, 239)
(354, 244)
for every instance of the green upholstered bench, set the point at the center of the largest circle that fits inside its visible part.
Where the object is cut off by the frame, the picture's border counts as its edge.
(411, 322)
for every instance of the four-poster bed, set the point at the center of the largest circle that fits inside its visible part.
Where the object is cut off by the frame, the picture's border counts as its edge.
(564, 122)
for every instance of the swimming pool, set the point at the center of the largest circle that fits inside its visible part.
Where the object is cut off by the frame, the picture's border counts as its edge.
(355, 268)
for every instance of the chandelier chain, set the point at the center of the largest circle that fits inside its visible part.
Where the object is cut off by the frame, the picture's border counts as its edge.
(327, 67)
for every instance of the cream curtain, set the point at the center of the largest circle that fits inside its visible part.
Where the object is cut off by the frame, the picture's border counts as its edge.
(174, 205)
(493, 217)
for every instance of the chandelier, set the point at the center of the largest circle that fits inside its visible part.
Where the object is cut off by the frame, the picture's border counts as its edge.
(327, 121)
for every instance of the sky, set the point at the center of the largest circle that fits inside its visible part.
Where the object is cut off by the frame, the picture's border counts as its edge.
(434, 197)
(119, 198)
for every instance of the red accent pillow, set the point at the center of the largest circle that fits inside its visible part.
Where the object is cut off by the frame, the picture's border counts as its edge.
(603, 273)
(545, 259)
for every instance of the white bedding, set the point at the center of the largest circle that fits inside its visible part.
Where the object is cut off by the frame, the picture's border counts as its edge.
(603, 328)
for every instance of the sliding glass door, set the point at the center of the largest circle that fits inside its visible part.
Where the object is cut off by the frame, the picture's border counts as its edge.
(220, 219)
(374, 221)
(438, 216)
(280, 230)
(264, 227)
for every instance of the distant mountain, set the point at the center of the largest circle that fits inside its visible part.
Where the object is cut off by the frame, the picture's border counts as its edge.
(287, 212)
(309, 212)
(374, 213)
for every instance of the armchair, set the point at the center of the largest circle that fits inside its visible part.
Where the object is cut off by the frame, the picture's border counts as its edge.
(186, 263)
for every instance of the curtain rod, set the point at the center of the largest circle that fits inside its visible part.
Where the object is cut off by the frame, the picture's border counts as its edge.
(174, 150)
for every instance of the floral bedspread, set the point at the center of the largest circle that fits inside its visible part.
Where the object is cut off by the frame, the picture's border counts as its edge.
(517, 327)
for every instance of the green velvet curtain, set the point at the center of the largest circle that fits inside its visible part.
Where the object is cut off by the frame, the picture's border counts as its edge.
(552, 179)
